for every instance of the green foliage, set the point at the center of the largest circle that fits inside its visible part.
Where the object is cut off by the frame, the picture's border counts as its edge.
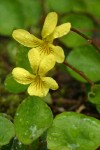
(12, 86)
(22, 58)
(94, 96)
(80, 22)
(6, 131)
(10, 16)
(18, 14)
(32, 118)
(31, 10)
(87, 60)
(66, 5)
(93, 7)
(12, 49)
(21, 61)
(73, 131)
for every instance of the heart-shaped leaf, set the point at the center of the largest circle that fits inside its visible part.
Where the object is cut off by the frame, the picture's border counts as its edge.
(73, 131)
(33, 117)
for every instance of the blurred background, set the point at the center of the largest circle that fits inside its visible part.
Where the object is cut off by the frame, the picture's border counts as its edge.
(30, 14)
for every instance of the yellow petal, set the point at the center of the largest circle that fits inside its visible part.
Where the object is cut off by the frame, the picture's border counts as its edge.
(34, 59)
(61, 30)
(50, 38)
(49, 24)
(25, 38)
(50, 82)
(22, 76)
(37, 90)
(58, 53)
(46, 64)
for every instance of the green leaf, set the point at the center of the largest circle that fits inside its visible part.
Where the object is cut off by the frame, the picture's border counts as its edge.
(33, 117)
(12, 49)
(73, 131)
(93, 7)
(79, 6)
(6, 131)
(87, 60)
(11, 16)
(94, 95)
(22, 58)
(66, 5)
(12, 86)
(32, 11)
(81, 23)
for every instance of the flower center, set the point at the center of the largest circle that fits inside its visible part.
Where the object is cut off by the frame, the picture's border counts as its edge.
(45, 49)
(38, 82)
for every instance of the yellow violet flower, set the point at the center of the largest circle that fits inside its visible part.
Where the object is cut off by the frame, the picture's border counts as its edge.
(39, 84)
(49, 32)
